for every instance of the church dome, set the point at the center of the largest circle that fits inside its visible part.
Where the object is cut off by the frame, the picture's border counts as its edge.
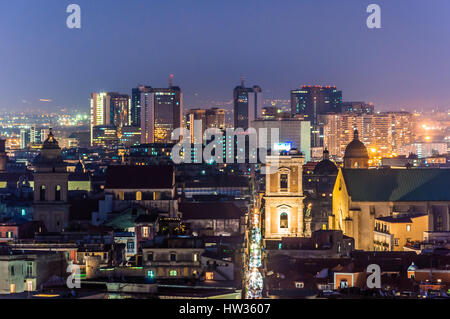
(356, 148)
(325, 166)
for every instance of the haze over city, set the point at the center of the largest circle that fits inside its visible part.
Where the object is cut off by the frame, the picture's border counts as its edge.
(209, 45)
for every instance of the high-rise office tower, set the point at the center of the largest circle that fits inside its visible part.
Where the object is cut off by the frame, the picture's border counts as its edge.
(209, 118)
(109, 109)
(135, 109)
(118, 107)
(161, 113)
(248, 104)
(24, 138)
(311, 101)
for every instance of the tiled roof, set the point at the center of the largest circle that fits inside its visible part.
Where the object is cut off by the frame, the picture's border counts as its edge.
(397, 185)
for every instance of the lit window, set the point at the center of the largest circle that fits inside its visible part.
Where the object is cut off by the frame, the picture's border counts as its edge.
(173, 273)
(408, 227)
(284, 220)
(138, 196)
(209, 276)
(150, 274)
(284, 181)
(145, 232)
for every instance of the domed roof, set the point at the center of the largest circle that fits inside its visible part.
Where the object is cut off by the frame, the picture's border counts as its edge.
(356, 148)
(50, 142)
(325, 166)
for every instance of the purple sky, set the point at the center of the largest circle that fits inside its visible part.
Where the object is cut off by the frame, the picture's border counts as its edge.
(208, 45)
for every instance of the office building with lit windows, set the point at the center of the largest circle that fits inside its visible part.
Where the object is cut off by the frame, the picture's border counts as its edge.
(310, 101)
(161, 113)
(108, 110)
(248, 104)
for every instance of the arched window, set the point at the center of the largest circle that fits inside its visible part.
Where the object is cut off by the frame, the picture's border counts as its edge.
(42, 193)
(284, 182)
(57, 192)
(138, 195)
(284, 223)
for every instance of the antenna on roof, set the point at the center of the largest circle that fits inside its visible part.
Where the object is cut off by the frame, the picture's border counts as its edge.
(171, 80)
(242, 81)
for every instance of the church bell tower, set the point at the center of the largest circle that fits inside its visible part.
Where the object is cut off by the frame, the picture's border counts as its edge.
(284, 196)
(51, 181)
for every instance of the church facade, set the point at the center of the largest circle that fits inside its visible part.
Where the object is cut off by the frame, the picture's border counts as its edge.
(362, 195)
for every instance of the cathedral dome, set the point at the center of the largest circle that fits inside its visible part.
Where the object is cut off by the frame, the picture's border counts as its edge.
(325, 166)
(356, 148)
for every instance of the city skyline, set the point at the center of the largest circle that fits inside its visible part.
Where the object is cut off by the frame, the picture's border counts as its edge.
(199, 47)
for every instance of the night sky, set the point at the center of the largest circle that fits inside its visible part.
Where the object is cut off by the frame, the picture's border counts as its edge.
(208, 44)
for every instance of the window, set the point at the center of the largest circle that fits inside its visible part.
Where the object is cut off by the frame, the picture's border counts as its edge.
(42, 193)
(284, 220)
(9, 234)
(396, 241)
(138, 196)
(196, 257)
(173, 257)
(12, 271)
(209, 276)
(299, 284)
(150, 274)
(283, 182)
(150, 257)
(29, 270)
(173, 273)
(145, 232)
(57, 193)
(344, 283)
(130, 246)
(439, 223)
(408, 227)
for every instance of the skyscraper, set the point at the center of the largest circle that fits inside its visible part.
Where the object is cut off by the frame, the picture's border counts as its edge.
(312, 101)
(248, 104)
(161, 112)
(109, 109)
(210, 118)
(135, 109)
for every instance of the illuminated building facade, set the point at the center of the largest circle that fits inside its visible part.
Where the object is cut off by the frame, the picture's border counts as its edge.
(210, 118)
(161, 113)
(362, 196)
(284, 197)
(384, 134)
(247, 105)
(108, 110)
(311, 101)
